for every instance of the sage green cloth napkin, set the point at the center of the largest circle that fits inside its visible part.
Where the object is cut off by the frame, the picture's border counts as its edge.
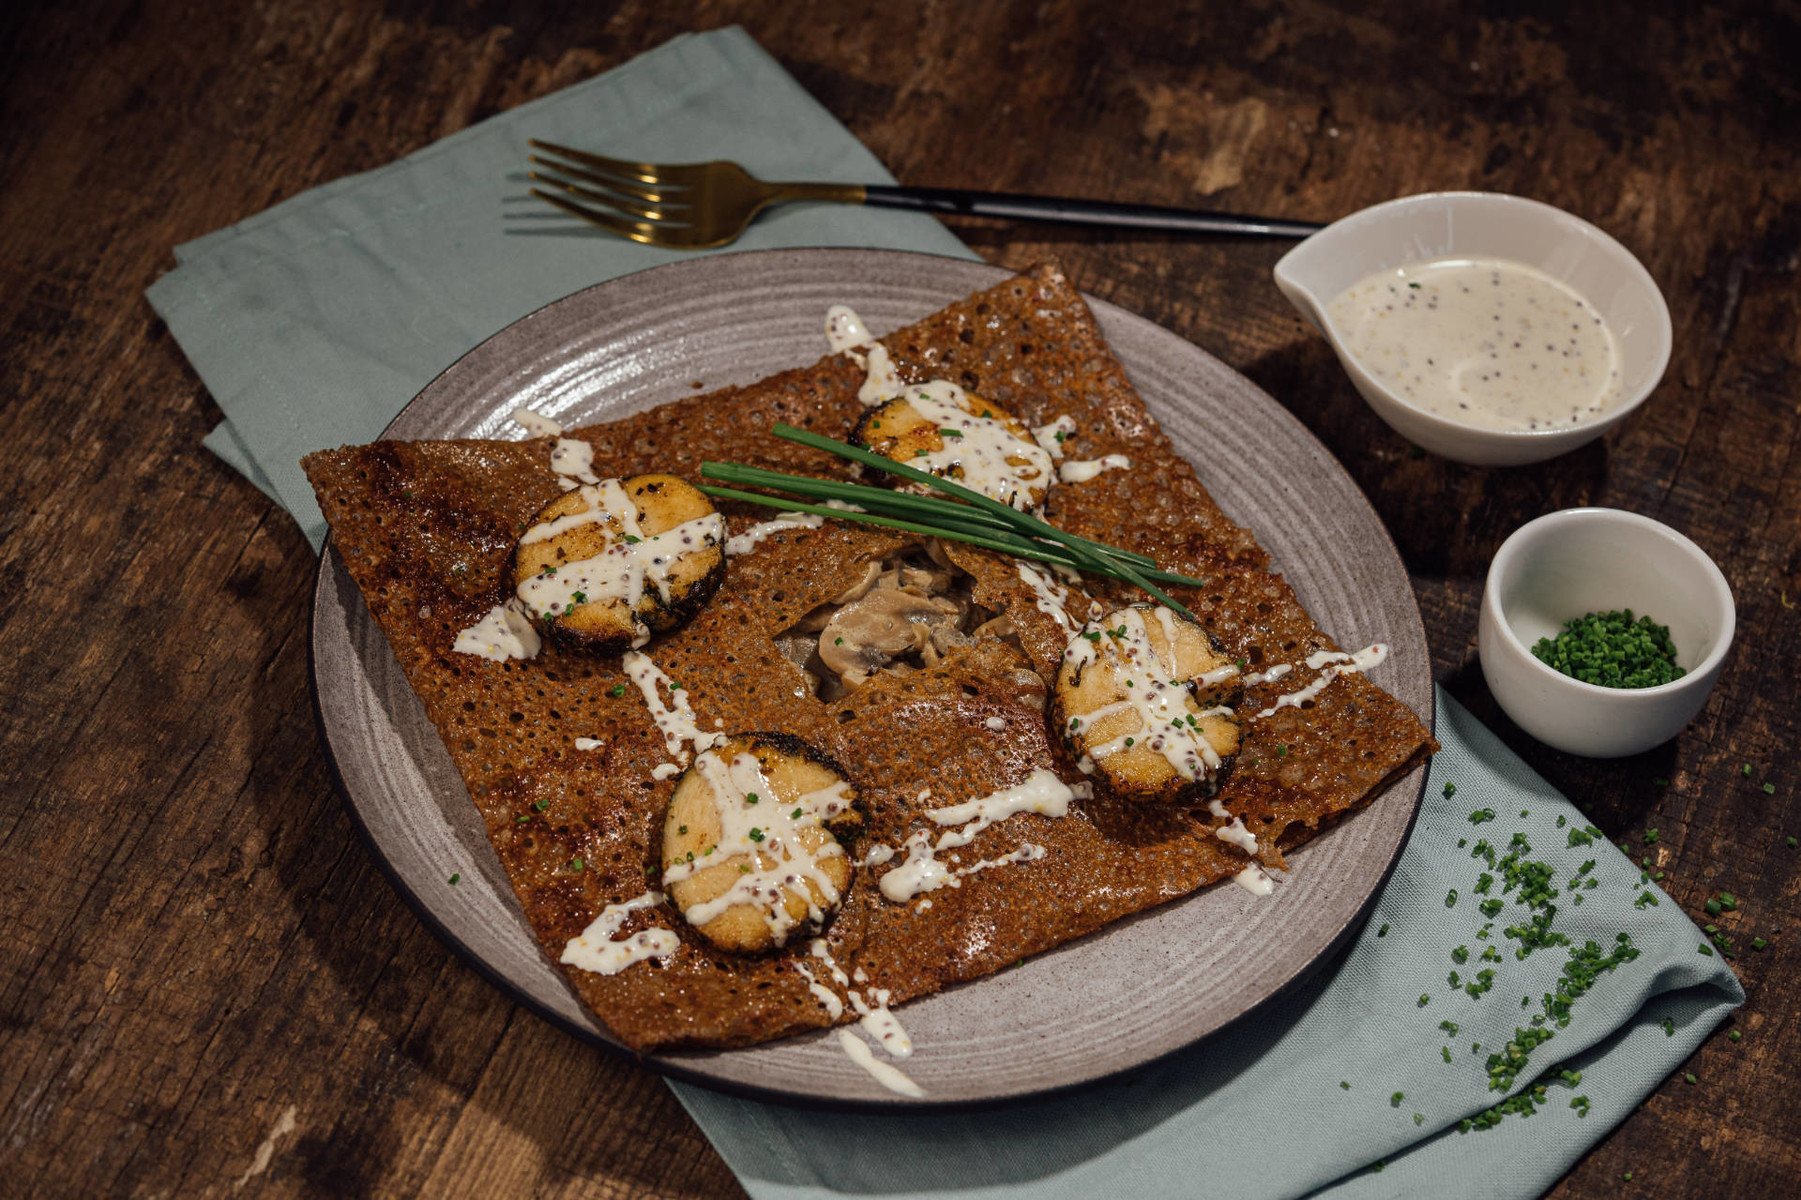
(313, 323)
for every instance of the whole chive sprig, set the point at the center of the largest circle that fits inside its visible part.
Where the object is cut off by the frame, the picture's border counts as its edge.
(979, 517)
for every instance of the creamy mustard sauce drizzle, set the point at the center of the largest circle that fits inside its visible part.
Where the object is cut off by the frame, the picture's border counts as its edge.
(536, 423)
(593, 949)
(881, 1024)
(979, 447)
(630, 559)
(764, 830)
(744, 543)
(1041, 792)
(1053, 435)
(588, 743)
(1152, 691)
(505, 632)
(1086, 469)
(886, 1074)
(1335, 663)
(1255, 880)
(1051, 599)
(571, 458)
(674, 720)
(1482, 341)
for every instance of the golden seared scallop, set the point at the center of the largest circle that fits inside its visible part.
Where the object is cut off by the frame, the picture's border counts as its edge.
(749, 856)
(606, 564)
(1142, 697)
(939, 428)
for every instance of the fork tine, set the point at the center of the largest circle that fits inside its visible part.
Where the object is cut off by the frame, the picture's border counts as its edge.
(630, 191)
(641, 172)
(638, 231)
(610, 199)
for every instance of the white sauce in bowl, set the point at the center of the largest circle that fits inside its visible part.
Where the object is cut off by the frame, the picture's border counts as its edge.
(1487, 342)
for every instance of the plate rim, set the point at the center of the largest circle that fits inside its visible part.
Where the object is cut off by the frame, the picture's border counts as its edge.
(672, 1066)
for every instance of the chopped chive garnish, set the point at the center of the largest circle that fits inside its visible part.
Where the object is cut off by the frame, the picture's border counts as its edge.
(455, 875)
(1450, 789)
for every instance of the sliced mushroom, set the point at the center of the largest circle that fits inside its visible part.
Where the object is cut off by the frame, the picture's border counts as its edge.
(1143, 695)
(604, 565)
(888, 622)
(749, 853)
(941, 429)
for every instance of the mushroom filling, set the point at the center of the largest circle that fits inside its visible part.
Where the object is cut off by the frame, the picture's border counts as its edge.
(909, 612)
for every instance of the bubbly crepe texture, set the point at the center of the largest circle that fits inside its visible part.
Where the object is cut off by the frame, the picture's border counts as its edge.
(426, 530)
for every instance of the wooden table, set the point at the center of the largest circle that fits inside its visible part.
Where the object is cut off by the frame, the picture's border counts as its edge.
(206, 983)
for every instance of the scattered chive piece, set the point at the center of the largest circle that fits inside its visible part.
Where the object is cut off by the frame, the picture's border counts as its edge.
(1481, 815)
(1651, 836)
(1669, 1027)
(1758, 943)
(617, 691)
(1425, 1000)
(1580, 1104)
(1791, 842)
(1733, 1036)
(1745, 770)
(456, 875)
(1396, 1099)
(1688, 1077)
(575, 863)
(1704, 948)
(1450, 789)
(1713, 907)
(1769, 789)
(756, 835)
(1451, 898)
(795, 815)
(1345, 1084)
(1446, 1051)
(1419, 1118)
(1383, 932)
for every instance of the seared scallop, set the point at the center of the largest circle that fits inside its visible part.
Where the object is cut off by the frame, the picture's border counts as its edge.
(939, 428)
(1142, 697)
(606, 564)
(749, 856)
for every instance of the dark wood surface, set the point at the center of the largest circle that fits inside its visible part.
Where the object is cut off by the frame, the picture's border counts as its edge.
(206, 985)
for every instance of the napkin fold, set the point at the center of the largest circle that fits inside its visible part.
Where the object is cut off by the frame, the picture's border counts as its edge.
(313, 323)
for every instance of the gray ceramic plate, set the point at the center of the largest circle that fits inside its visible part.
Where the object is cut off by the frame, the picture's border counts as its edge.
(1106, 1003)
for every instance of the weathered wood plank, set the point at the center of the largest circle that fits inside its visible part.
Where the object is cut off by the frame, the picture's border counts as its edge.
(208, 986)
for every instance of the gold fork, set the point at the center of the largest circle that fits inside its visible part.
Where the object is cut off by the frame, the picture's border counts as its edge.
(692, 206)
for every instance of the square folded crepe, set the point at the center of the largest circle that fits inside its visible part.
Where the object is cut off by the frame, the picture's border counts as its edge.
(427, 530)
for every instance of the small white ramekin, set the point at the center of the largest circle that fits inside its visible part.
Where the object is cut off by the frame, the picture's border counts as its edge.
(1441, 224)
(1583, 560)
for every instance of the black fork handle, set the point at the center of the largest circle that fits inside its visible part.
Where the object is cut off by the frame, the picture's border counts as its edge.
(1082, 212)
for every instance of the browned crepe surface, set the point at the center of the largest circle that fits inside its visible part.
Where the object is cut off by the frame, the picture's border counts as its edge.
(426, 529)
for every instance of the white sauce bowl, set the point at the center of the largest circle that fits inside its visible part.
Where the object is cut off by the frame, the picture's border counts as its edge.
(1583, 560)
(1485, 224)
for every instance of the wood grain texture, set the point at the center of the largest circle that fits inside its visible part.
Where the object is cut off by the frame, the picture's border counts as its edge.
(206, 987)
